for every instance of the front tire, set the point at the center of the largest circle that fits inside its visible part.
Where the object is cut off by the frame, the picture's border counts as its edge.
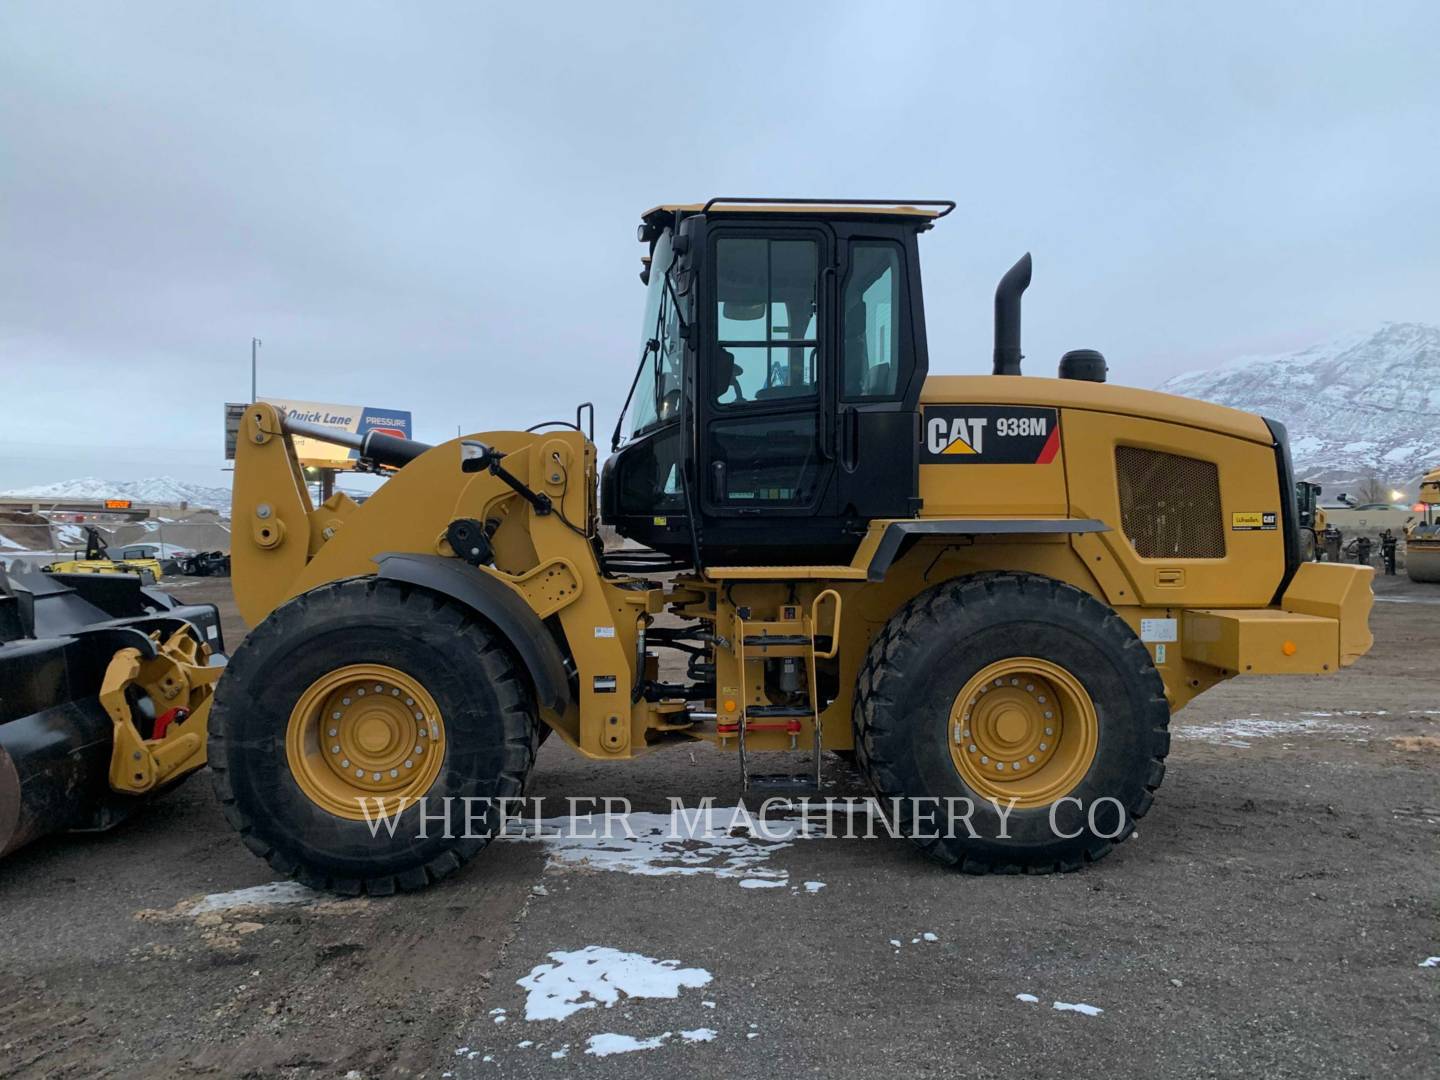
(374, 675)
(1012, 688)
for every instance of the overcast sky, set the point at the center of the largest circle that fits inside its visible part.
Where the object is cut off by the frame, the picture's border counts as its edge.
(433, 206)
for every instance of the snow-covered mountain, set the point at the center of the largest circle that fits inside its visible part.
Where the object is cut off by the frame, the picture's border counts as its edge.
(1362, 406)
(164, 490)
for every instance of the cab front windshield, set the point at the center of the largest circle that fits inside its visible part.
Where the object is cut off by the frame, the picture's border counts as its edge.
(657, 385)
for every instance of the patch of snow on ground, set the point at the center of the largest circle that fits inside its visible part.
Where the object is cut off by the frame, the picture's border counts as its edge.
(1029, 999)
(1239, 732)
(610, 1043)
(711, 840)
(1430, 961)
(596, 975)
(695, 1035)
(761, 883)
(1079, 1006)
(271, 895)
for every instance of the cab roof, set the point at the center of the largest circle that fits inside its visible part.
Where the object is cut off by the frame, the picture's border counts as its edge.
(926, 210)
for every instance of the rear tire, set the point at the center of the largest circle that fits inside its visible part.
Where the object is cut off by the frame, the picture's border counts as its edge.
(935, 647)
(459, 665)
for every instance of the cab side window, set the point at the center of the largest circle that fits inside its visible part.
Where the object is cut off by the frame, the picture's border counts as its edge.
(872, 308)
(766, 317)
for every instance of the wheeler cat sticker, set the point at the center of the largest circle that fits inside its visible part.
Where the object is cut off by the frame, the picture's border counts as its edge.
(989, 435)
(1253, 520)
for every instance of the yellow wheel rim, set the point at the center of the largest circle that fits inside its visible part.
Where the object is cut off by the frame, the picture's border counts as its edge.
(1023, 729)
(365, 737)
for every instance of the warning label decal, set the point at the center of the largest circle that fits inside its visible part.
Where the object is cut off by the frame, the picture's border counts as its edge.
(989, 435)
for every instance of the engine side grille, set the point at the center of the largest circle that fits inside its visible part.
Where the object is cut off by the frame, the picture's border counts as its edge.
(1169, 504)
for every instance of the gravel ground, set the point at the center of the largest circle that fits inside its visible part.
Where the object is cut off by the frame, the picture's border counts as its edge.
(1270, 918)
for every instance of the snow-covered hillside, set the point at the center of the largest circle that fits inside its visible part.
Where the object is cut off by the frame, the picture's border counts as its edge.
(163, 490)
(1361, 406)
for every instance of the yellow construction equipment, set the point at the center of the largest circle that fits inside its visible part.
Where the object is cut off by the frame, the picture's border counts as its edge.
(1422, 537)
(96, 559)
(994, 590)
(104, 688)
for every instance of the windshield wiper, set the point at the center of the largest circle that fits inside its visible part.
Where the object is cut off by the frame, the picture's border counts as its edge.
(653, 345)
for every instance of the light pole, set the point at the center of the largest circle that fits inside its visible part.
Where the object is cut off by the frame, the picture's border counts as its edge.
(254, 345)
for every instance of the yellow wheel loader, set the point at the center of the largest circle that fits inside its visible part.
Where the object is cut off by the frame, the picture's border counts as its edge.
(1422, 538)
(993, 589)
(96, 559)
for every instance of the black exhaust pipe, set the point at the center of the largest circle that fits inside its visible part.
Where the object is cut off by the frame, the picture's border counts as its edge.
(1007, 317)
(389, 450)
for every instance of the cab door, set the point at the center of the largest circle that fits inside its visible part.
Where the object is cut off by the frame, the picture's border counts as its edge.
(881, 366)
(765, 386)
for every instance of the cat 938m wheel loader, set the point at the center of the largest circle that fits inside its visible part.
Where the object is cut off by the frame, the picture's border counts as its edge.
(990, 588)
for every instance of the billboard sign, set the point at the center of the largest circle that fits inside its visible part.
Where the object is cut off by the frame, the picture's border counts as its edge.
(354, 419)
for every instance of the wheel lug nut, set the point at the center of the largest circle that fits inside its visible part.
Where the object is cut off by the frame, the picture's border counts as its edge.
(419, 749)
(335, 715)
(1049, 731)
(376, 776)
(345, 764)
(379, 689)
(360, 772)
(409, 764)
(334, 732)
(335, 749)
(1041, 699)
(423, 732)
(409, 701)
(394, 693)
(344, 701)
(419, 716)
(1042, 746)
(1015, 765)
(1049, 715)
(1031, 759)
(999, 766)
(360, 692)
(972, 748)
(394, 773)
(984, 760)
(1029, 688)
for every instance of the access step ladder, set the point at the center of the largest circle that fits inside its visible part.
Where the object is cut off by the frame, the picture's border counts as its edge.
(793, 641)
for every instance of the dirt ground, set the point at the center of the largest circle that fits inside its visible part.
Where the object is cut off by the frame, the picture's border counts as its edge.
(1270, 918)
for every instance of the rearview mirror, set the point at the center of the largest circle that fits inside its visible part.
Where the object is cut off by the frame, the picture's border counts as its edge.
(741, 311)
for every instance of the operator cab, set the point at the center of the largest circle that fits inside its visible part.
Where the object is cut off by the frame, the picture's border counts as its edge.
(776, 405)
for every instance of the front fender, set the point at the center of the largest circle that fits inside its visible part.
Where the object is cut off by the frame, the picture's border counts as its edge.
(496, 603)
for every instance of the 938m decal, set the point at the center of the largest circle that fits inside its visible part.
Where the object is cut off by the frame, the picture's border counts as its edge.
(989, 435)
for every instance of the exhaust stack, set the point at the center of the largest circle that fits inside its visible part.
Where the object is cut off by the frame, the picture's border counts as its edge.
(1007, 317)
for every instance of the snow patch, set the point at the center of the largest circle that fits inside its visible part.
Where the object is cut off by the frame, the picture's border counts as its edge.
(711, 840)
(814, 886)
(272, 895)
(611, 1043)
(596, 975)
(1240, 732)
(1029, 999)
(1430, 961)
(1079, 1007)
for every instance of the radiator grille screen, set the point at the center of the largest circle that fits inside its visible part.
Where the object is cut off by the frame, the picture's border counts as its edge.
(1169, 504)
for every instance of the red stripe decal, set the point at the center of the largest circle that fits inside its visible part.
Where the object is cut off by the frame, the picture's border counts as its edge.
(1051, 447)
